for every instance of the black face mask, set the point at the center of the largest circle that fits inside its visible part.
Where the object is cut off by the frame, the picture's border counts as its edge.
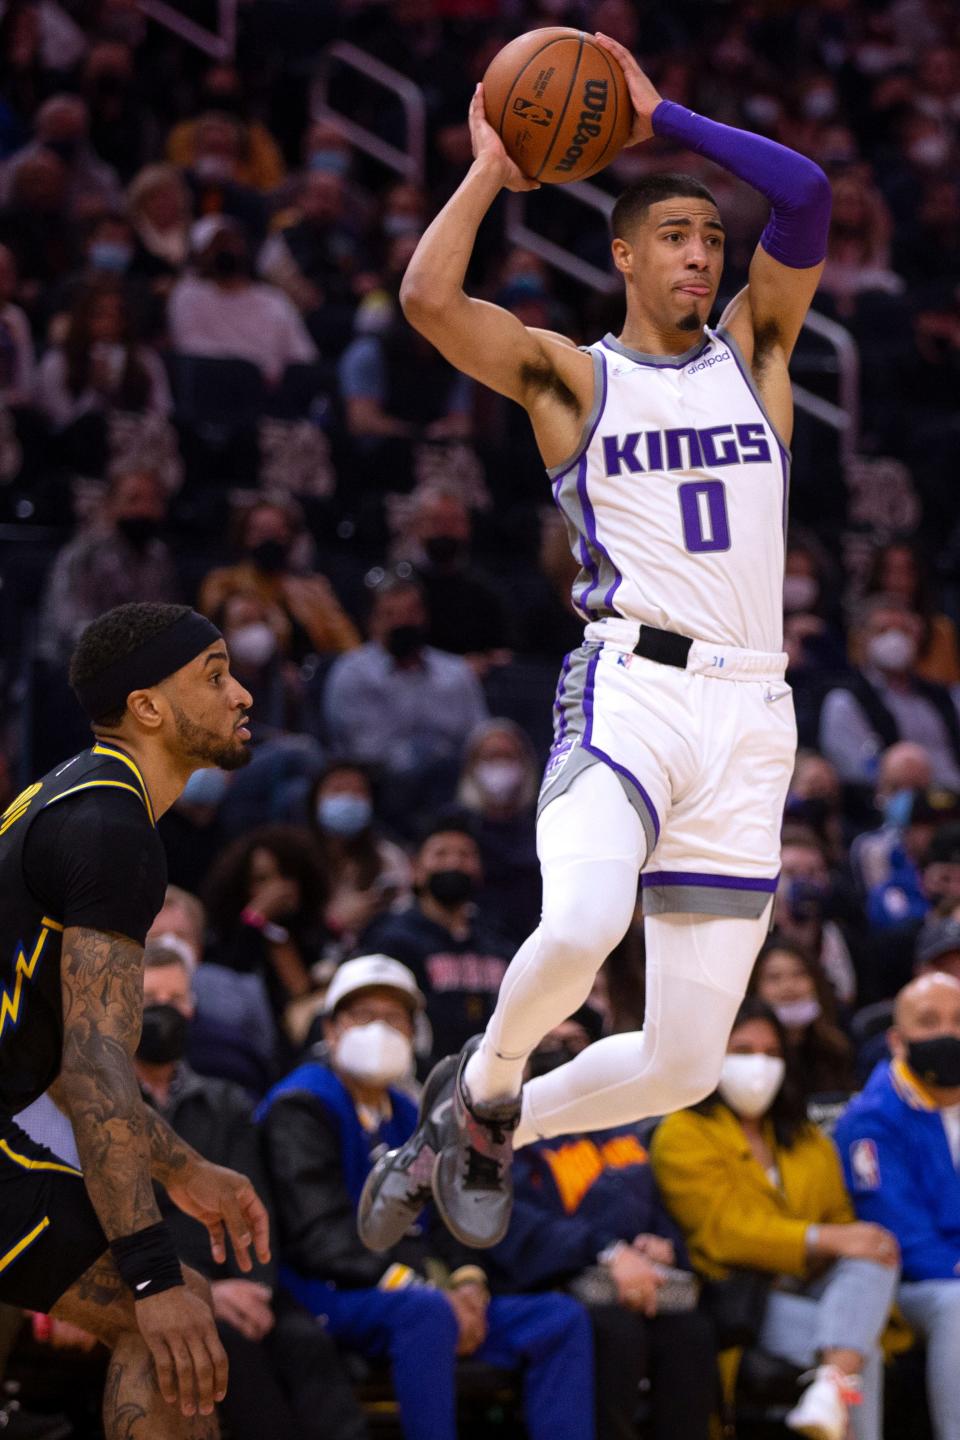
(227, 265)
(551, 1058)
(405, 640)
(452, 887)
(444, 549)
(164, 1036)
(936, 1061)
(139, 530)
(270, 556)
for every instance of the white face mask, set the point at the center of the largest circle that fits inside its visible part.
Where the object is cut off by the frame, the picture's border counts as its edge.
(498, 780)
(749, 1083)
(799, 592)
(892, 650)
(795, 1014)
(930, 151)
(252, 645)
(375, 1053)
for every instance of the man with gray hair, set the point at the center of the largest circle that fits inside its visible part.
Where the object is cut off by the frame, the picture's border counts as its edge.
(62, 124)
(887, 701)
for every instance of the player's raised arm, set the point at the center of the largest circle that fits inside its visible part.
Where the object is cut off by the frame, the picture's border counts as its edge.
(482, 340)
(788, 261)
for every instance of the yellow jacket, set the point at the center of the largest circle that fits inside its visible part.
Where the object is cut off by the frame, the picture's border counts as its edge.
(729, 1210)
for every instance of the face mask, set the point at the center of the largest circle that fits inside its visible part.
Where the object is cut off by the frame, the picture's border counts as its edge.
(818, 104)
(139, 530)
(252, 645)
(893, 650)
(270, 556)
(797, 1014)
(214, 168)
(394, 225)
(936, 1061)
(749, 1083)
(205, 787)
(762, 109)
(110, 256)
(375, 1053)
(499, 779)
(897, 808)
(345, 815)
(452, 887)
(163, 1038)
(799, 592)
(929, 153)
(443, 549)
(405, 640)
(550, 1058)
(227, 265)
(334, 162)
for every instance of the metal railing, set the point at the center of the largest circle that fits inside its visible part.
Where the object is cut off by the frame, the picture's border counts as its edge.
(219, 45)
(408, 160)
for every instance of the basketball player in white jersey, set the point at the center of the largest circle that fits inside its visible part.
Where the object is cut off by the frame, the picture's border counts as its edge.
(668, 452)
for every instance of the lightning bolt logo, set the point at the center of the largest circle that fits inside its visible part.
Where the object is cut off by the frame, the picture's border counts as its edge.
(23, 971)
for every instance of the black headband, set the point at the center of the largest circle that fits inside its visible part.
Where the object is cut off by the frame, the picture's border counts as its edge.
(150, 663)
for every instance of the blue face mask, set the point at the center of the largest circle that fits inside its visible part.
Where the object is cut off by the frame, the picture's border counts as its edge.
(205, 787)
(334, 162)
(897, 808)
(345, 815)
(110, 256)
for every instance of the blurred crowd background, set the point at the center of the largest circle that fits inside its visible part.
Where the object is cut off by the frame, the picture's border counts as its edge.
(208, 393)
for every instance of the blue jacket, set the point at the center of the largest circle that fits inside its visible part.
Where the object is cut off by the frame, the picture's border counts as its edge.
(573, 1196)
(900, 1171)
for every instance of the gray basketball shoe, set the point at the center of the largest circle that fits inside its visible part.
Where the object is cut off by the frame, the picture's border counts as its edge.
(472, 1180)
(398, 1186)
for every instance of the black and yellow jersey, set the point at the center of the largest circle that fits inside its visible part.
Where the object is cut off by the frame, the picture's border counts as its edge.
(79, 847)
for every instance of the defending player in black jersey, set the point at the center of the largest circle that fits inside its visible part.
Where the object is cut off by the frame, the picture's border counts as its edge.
(82, 874)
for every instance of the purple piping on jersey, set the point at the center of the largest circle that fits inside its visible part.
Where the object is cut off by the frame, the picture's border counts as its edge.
(586, 505)
(593, 428)
(748, 380)
(659, 364)
(785, 462)
(558, 709)
(711, 882)
(595, 750)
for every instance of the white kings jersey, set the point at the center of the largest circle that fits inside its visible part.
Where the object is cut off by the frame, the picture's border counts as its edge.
(676, 500)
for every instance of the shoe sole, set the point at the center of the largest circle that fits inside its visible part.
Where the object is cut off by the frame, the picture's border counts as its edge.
(474, 1242)
(811, 1431)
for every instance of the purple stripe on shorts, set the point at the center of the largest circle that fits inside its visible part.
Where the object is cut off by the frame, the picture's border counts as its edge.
(711, 882)
(559, 709)
(632, 780)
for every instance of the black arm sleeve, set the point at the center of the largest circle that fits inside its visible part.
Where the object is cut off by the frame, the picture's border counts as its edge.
(94, 860)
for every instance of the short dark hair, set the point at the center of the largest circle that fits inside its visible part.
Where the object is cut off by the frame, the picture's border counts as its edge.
(633, 204)
(452, 820)
(113, 636)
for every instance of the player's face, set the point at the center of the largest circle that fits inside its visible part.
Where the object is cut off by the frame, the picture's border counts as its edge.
(673, 262)
(210, 712)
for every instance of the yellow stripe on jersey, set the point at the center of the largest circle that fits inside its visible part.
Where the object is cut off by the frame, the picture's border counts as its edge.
(21, 1245)
(19, 807)
(29, 1164)
(106, 784)
(101, 749)
(23, 970)
(52, 924)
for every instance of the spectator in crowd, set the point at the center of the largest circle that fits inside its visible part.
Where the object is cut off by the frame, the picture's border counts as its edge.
(799, 994)
(220, 310)
(320, 1127)
(450, 945)
(466, 610)
(899, 570)
(937, 946)
(213, 177)
(367, 874)
(159, 206)
(887, 701)
(120, 558)
(123, 129)
(928, 246)
(498, 785)
(754, 1185)
(900, 896)
(816, 801)
(272, 543)
(888, 963)
(34, 224)
(858, 252)
(62, 125)
(800, 909)
(399, 704)
(249, 629)
(587, 1217)
(265, 897)
(904, 769)
(900, 1144)
(285, 1374)
(259, 163)
(16, 342)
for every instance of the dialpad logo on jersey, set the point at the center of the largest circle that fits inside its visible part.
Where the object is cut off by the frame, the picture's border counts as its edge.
(708, 362)
(536, 114)
(686, 449)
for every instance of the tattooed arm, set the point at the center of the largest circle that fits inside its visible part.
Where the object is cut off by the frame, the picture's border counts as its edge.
(169, 1155)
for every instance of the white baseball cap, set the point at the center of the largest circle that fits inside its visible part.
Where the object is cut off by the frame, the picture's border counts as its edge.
(367, 971)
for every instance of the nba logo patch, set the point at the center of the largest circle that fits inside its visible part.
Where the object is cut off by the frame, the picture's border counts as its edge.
(625, 659)
(530, 110)
(865, 1165)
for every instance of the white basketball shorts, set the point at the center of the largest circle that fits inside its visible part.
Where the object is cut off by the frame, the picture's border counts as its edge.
(704, 754)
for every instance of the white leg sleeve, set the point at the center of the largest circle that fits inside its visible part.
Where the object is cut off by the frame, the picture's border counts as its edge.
(591, 847)
(697, 972)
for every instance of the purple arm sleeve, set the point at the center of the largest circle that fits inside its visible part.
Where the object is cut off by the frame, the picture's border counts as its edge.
(798, 191)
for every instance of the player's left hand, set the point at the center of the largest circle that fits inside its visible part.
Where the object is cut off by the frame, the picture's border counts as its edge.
(226, 1203)
(643, 94)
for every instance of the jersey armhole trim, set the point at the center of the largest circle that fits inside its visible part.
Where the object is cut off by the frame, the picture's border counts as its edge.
(593, 419)
(102, 784)
(724, 334)
(100, 749)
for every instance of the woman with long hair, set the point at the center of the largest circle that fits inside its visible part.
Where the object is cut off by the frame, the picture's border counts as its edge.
(796, 988)
(899, 569)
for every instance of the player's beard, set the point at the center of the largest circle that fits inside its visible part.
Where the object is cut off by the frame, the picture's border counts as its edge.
(690, 322)
(205, 748)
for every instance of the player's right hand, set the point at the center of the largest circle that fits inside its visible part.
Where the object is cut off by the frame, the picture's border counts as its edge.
(488, 147)
(191, 1363)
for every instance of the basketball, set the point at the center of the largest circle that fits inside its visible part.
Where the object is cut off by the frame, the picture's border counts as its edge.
(559, 104)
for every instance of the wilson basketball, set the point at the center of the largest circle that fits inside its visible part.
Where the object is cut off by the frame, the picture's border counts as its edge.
(559, 104)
